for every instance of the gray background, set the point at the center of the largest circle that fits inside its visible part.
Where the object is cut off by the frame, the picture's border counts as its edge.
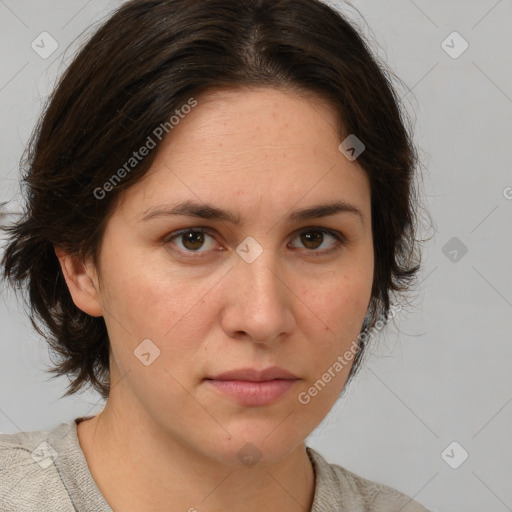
(441, 371)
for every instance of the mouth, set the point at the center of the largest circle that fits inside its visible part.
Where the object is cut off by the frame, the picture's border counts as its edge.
(251, 387)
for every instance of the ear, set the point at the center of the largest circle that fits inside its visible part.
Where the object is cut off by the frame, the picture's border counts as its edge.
(82, 282)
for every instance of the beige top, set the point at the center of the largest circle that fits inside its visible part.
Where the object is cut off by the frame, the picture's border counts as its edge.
(47, 471)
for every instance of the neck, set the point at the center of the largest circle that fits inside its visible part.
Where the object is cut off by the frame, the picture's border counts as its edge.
(137, 467)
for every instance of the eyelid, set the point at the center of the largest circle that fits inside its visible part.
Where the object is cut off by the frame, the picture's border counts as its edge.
(175, 234)
(338, 236)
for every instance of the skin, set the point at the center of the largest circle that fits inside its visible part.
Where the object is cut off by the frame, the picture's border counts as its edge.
(166, 441)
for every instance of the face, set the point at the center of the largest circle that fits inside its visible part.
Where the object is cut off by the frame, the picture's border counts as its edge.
(210, 295)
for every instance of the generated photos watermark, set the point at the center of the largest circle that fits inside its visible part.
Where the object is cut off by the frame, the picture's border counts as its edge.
(158, 133)
(304, 397)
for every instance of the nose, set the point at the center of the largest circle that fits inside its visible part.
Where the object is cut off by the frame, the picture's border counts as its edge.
(259, 303)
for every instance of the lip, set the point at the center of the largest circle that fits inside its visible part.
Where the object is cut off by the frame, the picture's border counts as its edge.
(251, 387)
(252, 393)
(254, 375)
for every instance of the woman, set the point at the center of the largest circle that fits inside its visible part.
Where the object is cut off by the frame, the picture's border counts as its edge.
(220, 203)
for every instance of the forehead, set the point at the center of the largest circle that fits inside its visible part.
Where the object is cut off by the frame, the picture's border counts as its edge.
(250, 118)
(251, 146)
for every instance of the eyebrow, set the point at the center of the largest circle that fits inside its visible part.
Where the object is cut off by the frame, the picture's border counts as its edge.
(210, 212)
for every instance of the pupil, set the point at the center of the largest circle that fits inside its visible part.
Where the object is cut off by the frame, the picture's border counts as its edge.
(308, 238)
(193, 238)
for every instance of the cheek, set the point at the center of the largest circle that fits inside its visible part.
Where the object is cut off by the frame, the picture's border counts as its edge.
(172, 311)
(339, 302)
(139, 291)
(336, 311)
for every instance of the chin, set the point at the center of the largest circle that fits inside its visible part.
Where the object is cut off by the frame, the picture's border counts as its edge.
(254, 444)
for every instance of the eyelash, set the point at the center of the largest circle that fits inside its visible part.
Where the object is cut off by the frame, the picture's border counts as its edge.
(339, 237)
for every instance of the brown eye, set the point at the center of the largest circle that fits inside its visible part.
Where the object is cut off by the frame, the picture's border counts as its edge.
(192, 240)
(313, 239)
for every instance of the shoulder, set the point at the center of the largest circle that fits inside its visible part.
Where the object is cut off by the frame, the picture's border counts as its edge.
(30, 479)
(340, 489)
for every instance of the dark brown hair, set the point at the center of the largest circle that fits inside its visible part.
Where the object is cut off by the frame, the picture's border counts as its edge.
(141, 65)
